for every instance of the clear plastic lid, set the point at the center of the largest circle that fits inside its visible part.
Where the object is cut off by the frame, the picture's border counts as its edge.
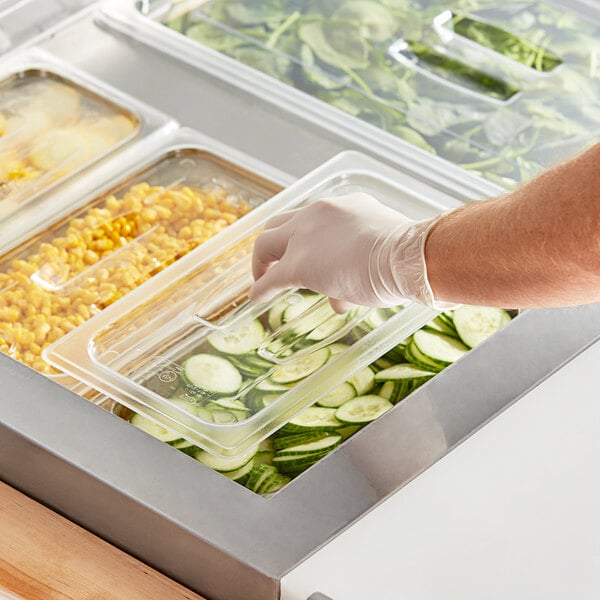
(49, 129)
(117, 239)
(502, 89)
(22, 20)
(193, 353)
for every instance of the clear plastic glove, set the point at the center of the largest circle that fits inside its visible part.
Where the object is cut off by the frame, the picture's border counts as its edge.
(353, 249)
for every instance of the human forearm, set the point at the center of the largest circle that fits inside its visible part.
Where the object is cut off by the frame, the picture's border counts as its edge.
(538, 246)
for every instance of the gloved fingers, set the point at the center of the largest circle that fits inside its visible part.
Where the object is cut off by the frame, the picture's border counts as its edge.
(269, 247)
(280, 219)
(270, 284)
(340, 306)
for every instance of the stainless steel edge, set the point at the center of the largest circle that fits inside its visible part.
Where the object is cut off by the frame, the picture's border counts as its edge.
(319, 596)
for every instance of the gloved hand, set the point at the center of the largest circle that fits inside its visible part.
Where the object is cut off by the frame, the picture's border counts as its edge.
(352, 248)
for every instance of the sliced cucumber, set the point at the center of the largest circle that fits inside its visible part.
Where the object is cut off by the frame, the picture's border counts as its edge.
(281, 443)
(314, 417)
(338, 396)
(439, 348)
(257, 476)
(348, 431)
(295, 462)
(474, 324)
(297, 308)
(301, 367)
(387, 390)
(273, 483)
(363, 381)
(156, 431)
(403, 371)
(275, 317)
(337, 348)
(417, 358)
(240, 475)
(264, 458)
(186, 447)
(223, 416)
(225, 464)
(229, 404)
(440, 326)
(241, 340)
(327, 443)
(266, 385)
(327, 329)
(212, 374)
(363, 409)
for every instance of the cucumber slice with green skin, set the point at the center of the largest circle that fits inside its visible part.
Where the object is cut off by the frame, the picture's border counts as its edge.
(275, 316)
(338, 396)
(383, 363)
(326, 444)
(273, 483)
(301, 367)
(363, 381)
(264, 458)
(225, 464)
(439, 348)
(363, 409)
(240, 475)
(313, 418)
(250, 365)
(439, 326)
(376, 318)
(474, 324)
(295, 310)
(348, 431)
(266, 385)
(417, 358)
(337, 348)
(186, 447)
(213, 374)
(447, 319)
(223, 416)
(229, 404)
(268, 399)
(241, 340)
(327, 329)
(403, 371)
(156, 431)
(292, 462)
(387, 390)
(281, 443)
(396, 354)
(257, 475)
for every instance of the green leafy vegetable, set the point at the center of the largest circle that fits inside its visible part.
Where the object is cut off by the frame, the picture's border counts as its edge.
(388, 63)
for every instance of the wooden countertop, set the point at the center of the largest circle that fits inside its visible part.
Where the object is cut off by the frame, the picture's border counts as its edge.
(43, 556)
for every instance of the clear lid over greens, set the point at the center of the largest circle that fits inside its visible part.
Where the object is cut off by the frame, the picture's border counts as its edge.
(502, 89)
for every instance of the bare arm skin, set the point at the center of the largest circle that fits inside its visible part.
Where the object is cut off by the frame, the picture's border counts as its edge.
(538, 246)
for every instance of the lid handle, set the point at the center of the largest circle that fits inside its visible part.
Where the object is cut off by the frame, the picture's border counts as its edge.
(468, 33)
(436, 63)
(318, 325)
